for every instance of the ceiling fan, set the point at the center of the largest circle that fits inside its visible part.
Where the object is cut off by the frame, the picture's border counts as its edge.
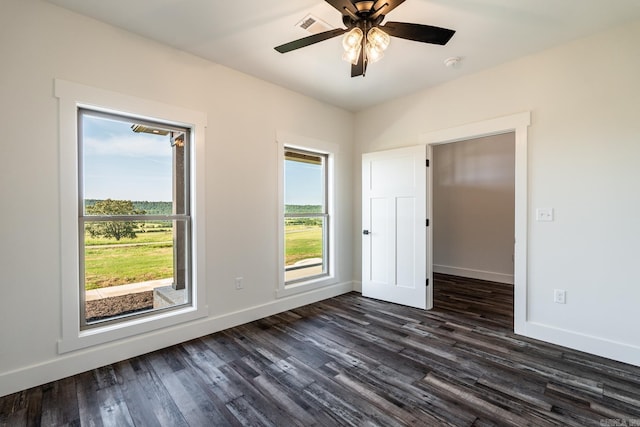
(365, 37)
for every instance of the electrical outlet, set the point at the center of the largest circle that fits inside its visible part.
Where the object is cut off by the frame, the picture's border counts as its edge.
(560, 296)
(239, 284)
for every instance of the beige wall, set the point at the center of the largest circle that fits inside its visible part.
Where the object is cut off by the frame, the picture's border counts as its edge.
(582, 161)
(473, 208)
(583, 151)
(40, 42)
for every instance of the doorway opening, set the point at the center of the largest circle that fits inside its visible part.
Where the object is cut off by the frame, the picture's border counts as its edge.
(473, 227)
(518, 125)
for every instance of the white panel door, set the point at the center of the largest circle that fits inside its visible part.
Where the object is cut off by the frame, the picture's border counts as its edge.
(394, 230)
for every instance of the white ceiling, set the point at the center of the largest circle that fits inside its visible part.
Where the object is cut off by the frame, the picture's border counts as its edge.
(241, 34)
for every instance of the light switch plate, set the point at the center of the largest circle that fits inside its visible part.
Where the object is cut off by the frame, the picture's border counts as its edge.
(544, 214)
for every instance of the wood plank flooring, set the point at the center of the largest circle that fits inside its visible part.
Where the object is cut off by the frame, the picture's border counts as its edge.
(351, 361)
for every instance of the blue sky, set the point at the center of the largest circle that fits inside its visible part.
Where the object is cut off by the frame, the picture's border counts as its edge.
(123, 165)
(303, 183)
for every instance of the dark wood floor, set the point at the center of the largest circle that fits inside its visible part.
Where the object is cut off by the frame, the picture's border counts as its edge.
(351, 361)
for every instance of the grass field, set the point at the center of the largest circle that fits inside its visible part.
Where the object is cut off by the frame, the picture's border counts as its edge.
(302, 242)
(150, 256)
(109, 262)
(120, 265)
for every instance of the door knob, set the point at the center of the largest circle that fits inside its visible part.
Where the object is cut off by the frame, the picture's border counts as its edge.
(365, 232)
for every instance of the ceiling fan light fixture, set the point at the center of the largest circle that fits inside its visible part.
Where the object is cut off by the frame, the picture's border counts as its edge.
(374, 53)
(352, 55)
(364, 40)
(352, 44)
(378, 38)
(352, 39)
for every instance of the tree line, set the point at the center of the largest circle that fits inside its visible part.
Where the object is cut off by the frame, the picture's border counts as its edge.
(128, 229)
(166, 208)
(298, 209)
(121, 229)
(149, 208)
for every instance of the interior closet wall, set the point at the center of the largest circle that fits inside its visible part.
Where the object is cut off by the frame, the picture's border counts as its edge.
(473, 208)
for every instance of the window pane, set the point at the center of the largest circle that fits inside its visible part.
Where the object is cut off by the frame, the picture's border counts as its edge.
(304, 247)
(121, 162)
(121, 273)
(132, 168)
(304, 190)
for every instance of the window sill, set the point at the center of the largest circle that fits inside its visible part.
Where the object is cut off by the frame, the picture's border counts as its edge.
(305, 286)
(128, 328)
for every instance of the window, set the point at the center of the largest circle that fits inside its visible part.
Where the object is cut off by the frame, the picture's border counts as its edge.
(306, 217)
(132, 210)
(307, 221)
(134, 217)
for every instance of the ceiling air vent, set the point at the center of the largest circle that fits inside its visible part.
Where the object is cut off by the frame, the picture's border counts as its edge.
(313, 24)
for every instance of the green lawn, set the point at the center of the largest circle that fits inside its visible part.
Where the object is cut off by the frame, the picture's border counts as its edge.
(124, 262)
(111, 266)
(150, 255)
(302, 242)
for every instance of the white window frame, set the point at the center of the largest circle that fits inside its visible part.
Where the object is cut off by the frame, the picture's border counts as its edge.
(180, 220)
(72, 96)
(286, 140)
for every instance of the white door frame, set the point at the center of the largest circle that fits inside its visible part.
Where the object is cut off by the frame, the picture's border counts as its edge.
(517, 123)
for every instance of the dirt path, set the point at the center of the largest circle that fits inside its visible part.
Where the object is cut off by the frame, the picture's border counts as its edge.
(115, 306)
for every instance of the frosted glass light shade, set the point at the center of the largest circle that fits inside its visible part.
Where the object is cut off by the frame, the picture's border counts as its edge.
(374, 54)
(352, 39)
(352, 55)
(378, 38)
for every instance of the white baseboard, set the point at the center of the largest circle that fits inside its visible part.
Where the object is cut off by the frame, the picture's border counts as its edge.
(83, 360)
(587, 343)
(474, 274)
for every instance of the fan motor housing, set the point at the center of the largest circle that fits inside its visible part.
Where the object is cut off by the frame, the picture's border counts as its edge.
(364, 6)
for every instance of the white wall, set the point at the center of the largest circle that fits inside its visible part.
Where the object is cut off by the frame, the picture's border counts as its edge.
(474, 207)
(40, 42)
(582, 161)
(583, 146)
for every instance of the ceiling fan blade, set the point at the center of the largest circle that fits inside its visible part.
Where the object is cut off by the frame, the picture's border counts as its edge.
(307, 41)
(360, 67)
(341, 5)
(418, 32)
